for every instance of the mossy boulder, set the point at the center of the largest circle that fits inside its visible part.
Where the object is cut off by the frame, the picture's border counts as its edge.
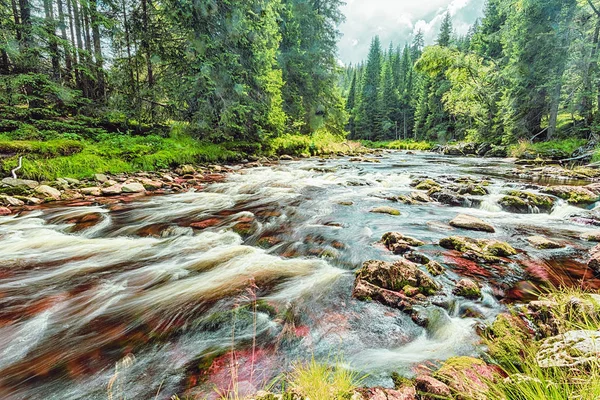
(574, 194)
(468, 289)
(386, 210)
(396, 276)
(577, 348)
(400, 244)
(506, 339)
(526, 202)
(424, 184)
(427, 184)
(483, 250)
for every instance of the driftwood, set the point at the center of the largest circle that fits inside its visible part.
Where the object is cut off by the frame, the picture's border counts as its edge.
(14, 171)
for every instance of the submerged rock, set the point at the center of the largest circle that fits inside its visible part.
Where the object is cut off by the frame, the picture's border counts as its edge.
(571, 349)
(542, 243)
(385, 210)
(471, 223)
(526, 202)
(468, 289)
(5, 211)
(483, 250)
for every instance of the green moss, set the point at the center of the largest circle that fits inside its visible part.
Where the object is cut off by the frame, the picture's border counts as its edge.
(427, 184)
(507, 340)
(500, 249)
(400, 381)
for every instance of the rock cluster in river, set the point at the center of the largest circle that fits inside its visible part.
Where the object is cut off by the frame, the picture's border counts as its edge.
(24, 194)
(448, 190)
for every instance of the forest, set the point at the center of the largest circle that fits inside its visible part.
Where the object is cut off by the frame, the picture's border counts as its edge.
(528, 70)
(221, 71)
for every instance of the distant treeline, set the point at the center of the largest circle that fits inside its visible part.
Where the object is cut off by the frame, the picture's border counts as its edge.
(527, 70)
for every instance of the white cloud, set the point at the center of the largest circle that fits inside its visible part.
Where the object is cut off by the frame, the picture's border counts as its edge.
(397, 20)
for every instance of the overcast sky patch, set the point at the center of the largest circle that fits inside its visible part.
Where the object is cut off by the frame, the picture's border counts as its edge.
(397, 21)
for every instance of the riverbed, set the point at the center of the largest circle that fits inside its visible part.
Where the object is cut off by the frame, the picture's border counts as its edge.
(129, 301)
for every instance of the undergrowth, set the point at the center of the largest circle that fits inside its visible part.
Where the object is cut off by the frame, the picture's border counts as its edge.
(407, 144)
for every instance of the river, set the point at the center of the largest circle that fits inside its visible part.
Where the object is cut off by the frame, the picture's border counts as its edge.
(129, 301)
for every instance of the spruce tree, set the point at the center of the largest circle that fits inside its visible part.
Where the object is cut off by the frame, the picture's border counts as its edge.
(369, 118)
(445, 37)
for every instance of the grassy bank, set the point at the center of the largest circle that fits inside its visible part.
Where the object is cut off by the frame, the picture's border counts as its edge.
(557, 148)
(408, 144)
(78, 157)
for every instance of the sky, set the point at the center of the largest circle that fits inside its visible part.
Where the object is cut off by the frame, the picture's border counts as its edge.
(398, 20)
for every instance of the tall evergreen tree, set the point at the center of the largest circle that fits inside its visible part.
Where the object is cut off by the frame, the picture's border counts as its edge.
(369, 118)
(445, 36)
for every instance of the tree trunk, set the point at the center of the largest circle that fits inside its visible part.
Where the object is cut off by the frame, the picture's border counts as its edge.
(147, 50)
(97, 49)
(77, 22)
(128, 45)
(15, 11)
(554, 104)
(52, 40)
(63, 35)
(26, 36)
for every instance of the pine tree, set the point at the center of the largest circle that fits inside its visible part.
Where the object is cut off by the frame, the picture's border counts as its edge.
(369, 118)
(350, 106)
(417, 45)
(445, 37)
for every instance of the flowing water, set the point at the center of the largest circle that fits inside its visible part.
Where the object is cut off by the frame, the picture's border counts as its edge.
(128, 301)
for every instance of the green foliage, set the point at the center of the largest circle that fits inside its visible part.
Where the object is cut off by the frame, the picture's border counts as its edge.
(320, 381)
(540, 149)
(321, 142)
(408, 144)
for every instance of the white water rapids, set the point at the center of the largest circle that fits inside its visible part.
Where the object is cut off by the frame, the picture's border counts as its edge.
(131, 301)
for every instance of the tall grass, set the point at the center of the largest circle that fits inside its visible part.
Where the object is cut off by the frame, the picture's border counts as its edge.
(528, 380)
(318, 381)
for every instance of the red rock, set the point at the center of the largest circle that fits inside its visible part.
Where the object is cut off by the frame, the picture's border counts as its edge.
(207, 223)
(5, 211)
(80, 204)
(405, 393)
(428, 385)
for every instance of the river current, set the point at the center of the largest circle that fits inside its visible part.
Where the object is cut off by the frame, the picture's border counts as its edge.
(129, 301)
